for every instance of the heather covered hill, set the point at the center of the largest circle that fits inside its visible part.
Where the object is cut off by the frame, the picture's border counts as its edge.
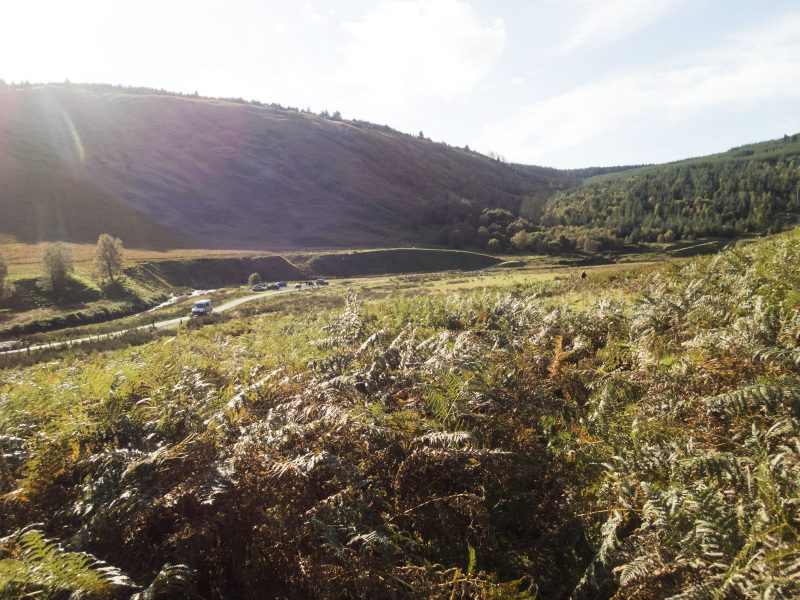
(162, 170)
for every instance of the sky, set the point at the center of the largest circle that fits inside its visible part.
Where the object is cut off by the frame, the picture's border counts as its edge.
(558, 83)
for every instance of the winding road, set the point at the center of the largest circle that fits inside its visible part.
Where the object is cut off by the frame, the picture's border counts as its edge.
(154, 325)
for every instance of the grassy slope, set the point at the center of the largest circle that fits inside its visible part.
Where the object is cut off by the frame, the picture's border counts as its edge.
(168, 171)
(46, 192)
(211, 272)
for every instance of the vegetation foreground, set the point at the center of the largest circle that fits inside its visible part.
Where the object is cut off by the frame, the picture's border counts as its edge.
(486, 445)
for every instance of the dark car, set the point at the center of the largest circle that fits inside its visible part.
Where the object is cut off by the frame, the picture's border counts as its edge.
(321, 282)
(273, 286)
(281, 284)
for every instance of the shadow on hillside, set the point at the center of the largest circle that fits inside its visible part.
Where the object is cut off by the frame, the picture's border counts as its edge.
(114, 289)
(28, 295)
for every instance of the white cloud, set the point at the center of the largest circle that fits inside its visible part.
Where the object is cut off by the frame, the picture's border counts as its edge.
(757, 67)
(594, 23)
(420, 48)
(314, 14)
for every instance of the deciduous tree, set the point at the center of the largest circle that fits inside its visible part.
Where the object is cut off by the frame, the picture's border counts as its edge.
(482, 237)
(520, 241)
(57, 265)
(254, 279)
(108, 259)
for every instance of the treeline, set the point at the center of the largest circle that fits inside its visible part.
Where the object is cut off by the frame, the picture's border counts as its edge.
(498, 230)
(752, 188)
(149, 91)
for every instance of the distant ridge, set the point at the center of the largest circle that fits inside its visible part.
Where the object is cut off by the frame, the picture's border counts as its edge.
(164, 171)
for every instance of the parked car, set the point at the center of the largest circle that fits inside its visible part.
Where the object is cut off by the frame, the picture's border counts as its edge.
(201, 307)
(259, 288)
(273, 286)
(321, 282)
(281, 284)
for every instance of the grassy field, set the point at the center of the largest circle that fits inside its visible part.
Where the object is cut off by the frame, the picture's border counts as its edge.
(388, 261)
(24, 259)
(151, 276)
(519, 276)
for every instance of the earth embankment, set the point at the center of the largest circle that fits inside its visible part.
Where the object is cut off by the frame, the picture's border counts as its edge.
(212, 272)
(395, 261)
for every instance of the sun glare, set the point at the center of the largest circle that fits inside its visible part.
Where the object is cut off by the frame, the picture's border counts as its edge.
(75, 138)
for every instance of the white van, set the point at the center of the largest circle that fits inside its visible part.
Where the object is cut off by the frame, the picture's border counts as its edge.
(201, 307)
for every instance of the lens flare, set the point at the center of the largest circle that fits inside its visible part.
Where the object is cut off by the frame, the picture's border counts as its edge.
(75, 138)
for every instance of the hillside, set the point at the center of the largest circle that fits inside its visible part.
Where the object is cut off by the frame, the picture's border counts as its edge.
(753, 188)
(165, 171)
(168, 171)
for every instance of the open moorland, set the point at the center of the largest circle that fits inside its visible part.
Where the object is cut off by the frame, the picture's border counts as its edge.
(64, 327)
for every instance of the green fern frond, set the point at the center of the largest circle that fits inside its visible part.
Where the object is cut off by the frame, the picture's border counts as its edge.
(330, 537)
(304, 464)
(703, 591)
(778, 356)
(718, 466)
(374, 539)
(44, 566)
(639, 568)
(173, 581)
(766, 398)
